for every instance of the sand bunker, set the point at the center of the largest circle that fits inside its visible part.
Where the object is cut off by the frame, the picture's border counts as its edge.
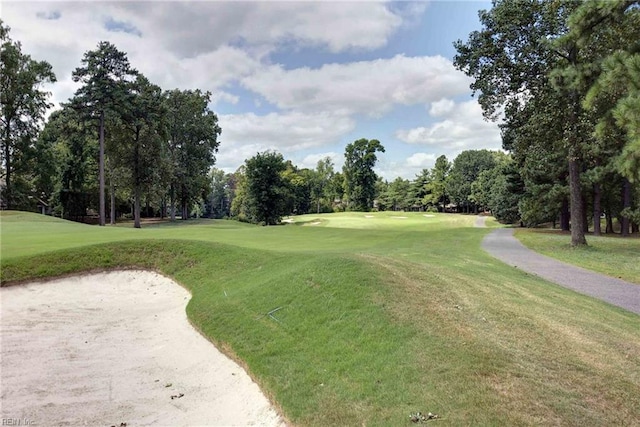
(369, 216)
(399, 217)
(115, 348)
(428, 216)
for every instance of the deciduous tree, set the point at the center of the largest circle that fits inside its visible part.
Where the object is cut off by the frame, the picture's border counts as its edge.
(360, 179)
(24, 103)
(104, 75)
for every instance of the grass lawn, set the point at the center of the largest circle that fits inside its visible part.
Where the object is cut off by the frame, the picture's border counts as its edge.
(380, 315)
(610, 255)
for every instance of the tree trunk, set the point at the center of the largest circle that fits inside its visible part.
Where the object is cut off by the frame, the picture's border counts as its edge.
(575, 191)
(318, 210)
(101, 169)
(173, 203)
(7, 159)
(576, 206)
(112, 191)
(564, 215)
(609, 228)
(597, 210)
(136, 207)
(113, 205)
(585, 216)
(626, 203)
(136, 180)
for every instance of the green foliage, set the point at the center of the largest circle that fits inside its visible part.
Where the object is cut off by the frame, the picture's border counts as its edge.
(218, 202)
(142, 133)
(104, 75)
(266, 188)
(436, 192)
(466, 169)
(320, 180)
(359, 177)
(396, 195)
(23, 105)
(193, 140)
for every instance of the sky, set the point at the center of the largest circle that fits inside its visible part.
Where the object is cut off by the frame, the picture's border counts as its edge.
(301, 78)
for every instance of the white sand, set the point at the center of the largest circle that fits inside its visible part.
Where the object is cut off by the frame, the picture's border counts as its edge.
(428, 216)
(399, 217)
(369, 216)
(101, 350)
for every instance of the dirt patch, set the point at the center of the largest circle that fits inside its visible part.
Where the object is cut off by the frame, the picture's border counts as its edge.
(115, 348)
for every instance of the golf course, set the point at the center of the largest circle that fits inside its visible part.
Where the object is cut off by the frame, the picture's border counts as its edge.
(366, 318)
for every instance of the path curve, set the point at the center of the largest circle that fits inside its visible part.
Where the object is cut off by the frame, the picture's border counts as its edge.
(501, 244)
(481, 222)
(114, 348)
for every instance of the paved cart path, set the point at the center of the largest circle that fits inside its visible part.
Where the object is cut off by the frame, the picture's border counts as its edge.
(501, 244)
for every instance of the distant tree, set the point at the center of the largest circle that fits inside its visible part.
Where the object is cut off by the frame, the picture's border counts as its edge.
(397, 195)
(467, 167)
(360, 179)
(420, 190)
(218, 201)
(506, 191)
(321, 177)
(297, 194)
(104, 75)
(336, 189)
(23, 104)
(266, 189)
(193, 132)
(74, 145)
(239, 200)
(437, 191)
(143, 132)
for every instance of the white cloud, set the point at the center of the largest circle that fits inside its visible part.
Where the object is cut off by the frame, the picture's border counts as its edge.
(421, 160)
(407, 168)
(366, 87)
(442, 107)
(462, 128)
(191, 28)
(311, 160)
(224, 96)
(243, 135)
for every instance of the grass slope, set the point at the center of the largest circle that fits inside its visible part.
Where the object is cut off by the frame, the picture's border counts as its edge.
(374, 322)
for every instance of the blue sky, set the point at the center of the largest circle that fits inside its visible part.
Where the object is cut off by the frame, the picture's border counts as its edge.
(302, 78)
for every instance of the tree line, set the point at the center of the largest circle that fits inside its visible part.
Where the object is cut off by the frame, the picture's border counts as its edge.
(566, 77)
(119, 134)
(267, 187)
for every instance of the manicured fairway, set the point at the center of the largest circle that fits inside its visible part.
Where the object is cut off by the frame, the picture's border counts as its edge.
(377, 317)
